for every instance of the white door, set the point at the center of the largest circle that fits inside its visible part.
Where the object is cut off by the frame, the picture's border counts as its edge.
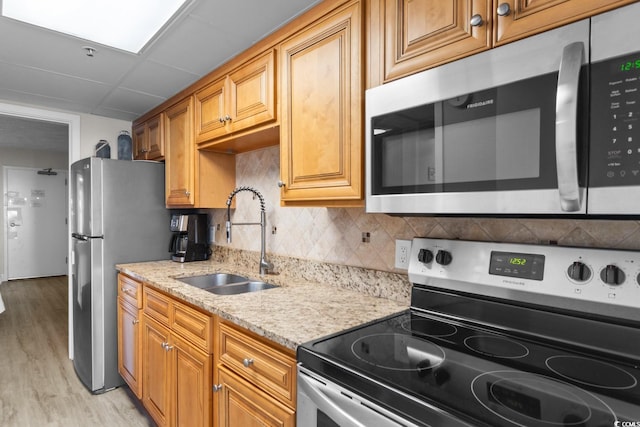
(36, 222)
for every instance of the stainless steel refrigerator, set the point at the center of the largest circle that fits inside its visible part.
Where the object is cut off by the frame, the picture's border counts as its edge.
(118, 215)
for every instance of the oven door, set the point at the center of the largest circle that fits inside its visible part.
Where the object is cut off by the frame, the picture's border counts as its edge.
(501, 132)
(322, 403)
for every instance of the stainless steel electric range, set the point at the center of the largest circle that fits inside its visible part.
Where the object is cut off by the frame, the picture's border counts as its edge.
(497, 335)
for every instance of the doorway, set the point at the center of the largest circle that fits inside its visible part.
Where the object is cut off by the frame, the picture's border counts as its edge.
(36, 216)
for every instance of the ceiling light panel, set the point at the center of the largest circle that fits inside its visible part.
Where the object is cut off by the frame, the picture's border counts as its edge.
(123, 24)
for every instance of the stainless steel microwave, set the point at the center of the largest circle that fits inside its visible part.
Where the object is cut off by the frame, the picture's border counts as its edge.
(544, 126)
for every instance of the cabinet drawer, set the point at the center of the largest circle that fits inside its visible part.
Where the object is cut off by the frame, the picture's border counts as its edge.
(156, 305)
(192, 325)
(130, 290)
(271, 370)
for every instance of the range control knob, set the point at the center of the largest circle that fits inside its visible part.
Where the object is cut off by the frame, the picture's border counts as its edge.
(444, 257)
(612, 275)
(425, 256)
(579, 272)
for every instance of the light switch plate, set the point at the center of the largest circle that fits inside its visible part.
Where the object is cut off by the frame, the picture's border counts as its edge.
(403, 251)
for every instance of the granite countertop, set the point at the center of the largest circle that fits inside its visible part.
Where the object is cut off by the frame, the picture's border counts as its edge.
(291, 314)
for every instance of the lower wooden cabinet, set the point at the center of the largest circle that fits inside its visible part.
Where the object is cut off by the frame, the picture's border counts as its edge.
(129, 337)
(255, 380)
(241, 404)
(177, 373)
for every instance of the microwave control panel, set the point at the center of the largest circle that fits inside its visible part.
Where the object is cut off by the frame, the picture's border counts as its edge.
(615, 126)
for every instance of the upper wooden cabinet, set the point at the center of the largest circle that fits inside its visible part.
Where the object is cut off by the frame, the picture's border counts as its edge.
(321, 95)
(516, 19)
(407, 36)
(180, 152)
(243, 99)
(423, 33)
(148, 139)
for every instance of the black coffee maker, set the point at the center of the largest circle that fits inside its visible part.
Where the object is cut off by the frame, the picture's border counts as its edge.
(189, 239)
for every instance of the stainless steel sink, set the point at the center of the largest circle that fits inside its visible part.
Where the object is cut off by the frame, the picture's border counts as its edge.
(226, 284)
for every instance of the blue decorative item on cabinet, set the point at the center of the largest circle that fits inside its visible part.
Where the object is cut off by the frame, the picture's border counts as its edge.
(124, 146)
(103, 150)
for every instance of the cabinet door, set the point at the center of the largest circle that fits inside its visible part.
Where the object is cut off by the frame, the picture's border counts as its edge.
(210, 112)
(179, 173)
(420, 34)
(193, 385)
(129, 358)
(252, 93)
(322, 104)
(156, 371)
(155, 139)
(525, 18)
(241, 405)
(139, 140)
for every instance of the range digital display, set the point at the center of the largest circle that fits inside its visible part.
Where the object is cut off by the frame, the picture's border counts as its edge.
(511, 264)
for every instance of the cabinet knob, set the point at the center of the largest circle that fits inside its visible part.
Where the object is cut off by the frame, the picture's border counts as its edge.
(247, 362)
(281, 184)
(135, 322)
(217, 387)
(504, 9)
(476, 20)
(221, 119)
(187, 193)
(227, 118)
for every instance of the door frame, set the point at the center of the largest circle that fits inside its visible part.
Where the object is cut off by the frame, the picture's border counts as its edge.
(73, 121)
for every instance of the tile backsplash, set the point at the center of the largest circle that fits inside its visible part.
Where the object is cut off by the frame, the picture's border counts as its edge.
(335, 235)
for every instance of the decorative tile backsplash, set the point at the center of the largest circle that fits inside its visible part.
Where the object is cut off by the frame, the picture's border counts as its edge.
(334, 235)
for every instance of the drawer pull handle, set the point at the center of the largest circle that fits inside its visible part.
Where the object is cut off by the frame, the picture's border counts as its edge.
(247, 362)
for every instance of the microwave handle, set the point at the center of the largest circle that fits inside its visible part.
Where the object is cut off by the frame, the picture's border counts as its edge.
(567, 125)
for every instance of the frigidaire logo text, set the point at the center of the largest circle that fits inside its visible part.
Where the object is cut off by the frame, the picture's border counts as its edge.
(480, 103)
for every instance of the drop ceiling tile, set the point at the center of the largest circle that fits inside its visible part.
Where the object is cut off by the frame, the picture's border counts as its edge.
(195, 47)
(31, 80)
(136, 102)
(37, 100)
(158, 79)
(44, 49)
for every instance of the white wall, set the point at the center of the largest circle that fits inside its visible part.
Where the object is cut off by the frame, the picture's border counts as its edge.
(94, 128)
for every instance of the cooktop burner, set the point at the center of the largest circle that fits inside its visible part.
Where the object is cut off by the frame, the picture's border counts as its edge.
(399, 352)
(496, 346)
(591, 372)
(429, 327)
(518, 397)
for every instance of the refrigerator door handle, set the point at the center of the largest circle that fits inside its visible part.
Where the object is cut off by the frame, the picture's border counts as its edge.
(84, 237)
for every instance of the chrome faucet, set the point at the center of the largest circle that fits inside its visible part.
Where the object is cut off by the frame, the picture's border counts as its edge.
(265, 266)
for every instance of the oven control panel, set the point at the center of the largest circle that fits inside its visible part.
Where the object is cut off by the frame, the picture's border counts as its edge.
(601, 281)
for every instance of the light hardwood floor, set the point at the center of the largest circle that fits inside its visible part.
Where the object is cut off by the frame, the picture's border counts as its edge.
(38, 385)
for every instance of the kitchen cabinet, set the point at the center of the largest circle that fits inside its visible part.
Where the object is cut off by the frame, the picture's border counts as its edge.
(516, 19)
(177, 361)
(242, 405)
(180, 153)
(194, 178)
(243, 99)
(420, 34)
(255, 380)
(321, 127)
(129, 337)
(407, 36)
(148, 139)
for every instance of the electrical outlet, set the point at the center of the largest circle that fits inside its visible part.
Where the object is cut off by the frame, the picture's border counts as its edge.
(403, 251)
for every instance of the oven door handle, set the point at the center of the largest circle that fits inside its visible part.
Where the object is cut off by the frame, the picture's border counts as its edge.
(567, 125)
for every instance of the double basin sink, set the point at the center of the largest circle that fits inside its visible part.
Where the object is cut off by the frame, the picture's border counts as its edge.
(226, 284)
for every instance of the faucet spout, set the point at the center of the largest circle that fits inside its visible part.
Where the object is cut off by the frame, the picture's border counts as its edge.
(265, 266)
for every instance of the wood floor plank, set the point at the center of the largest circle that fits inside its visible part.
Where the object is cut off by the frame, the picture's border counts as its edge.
(38, 385)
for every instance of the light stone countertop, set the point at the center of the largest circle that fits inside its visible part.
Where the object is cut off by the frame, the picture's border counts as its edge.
(291, 314)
